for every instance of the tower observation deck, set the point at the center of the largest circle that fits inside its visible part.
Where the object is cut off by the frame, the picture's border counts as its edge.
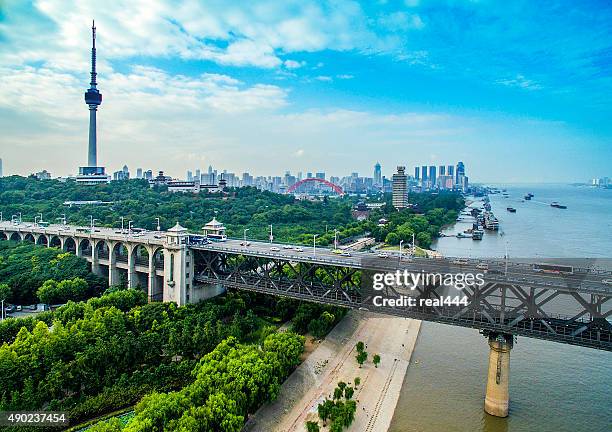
(92, 173)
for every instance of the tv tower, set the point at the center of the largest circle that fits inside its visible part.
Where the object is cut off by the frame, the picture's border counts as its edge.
(92, 173)
(93, 98)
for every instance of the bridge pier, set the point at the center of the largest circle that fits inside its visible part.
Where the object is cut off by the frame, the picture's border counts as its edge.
(113, 272)
(132, 277)
(497, 399)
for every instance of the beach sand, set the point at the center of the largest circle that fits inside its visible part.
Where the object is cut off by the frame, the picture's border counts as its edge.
(334, 360)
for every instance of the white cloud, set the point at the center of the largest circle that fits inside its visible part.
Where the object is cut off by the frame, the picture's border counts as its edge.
(252, 33)
(345, 76)
(521, 82)
(324, 78)
(293, 64)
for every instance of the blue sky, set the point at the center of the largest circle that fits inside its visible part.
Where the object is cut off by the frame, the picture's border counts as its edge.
(518, 90)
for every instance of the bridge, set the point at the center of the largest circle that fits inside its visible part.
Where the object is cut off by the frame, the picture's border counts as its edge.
(308, 180)
(513, 299)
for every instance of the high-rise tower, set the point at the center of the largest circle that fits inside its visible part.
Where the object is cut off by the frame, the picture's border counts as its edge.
(92, 173)
(377, 174)
(93, 98)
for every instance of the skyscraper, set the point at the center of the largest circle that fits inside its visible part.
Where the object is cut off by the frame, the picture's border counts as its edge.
(377, 174)
(92, 173)
(441, 170)
(432, 176)
(416, 173)
(400, 192)
(424, 174)
(451, 170)
(460, 172)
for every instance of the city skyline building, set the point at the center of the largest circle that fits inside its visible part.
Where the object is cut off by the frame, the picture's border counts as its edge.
(400, 188)
(377, 174)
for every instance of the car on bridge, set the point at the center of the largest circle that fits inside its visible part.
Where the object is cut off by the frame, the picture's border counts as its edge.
(299, 249)
(607, 281)
(247, 244)
(275, 249)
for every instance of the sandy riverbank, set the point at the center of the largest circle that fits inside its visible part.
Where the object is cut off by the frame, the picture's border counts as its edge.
(334, 360)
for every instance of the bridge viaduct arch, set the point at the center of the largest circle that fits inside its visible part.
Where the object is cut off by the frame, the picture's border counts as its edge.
(163, 269)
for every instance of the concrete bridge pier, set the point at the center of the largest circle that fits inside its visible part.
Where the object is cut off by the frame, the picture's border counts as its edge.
(497, 399)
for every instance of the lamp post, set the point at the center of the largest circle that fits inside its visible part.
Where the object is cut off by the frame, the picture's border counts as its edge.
(413, 245)
(400, 249)
(271, 236)
(122, 218)
(1, 220)
(314, 244)
(19, 218)
(130, 223)
(40, 215)
(63, 218)
(158, 226)
(92, 223)
(245, 231)
(335, 239)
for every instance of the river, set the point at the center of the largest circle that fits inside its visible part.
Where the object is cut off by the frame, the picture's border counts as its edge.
(553, 386)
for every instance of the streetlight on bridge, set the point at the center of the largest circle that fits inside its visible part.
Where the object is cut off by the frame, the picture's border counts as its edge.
(400, 249)
(158, 227)
(271, 236)
(335, 239)
(130, 223)
(245, 231)
(314, 244)
(92, 223)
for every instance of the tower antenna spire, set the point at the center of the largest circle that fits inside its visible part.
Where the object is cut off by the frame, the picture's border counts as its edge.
(93, 82)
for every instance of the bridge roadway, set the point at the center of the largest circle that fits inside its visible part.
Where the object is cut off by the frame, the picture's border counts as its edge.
(585, 280)
(570, 308)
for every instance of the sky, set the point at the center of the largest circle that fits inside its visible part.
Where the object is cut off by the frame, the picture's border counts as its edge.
(519, 91)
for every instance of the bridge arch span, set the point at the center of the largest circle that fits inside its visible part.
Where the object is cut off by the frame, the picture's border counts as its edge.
(56, 241)
(3, 235)
(42, 240)
(140, 254)
(15, 236)
(28, 237)
(334, 187)
(85, 247)
(70, 245)
(101, 249)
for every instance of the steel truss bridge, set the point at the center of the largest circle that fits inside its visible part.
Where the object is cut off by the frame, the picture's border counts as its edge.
(573, 309)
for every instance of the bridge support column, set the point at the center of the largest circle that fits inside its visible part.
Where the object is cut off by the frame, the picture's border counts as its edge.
(151, 276)
(113, 273)
(131, 271)
(497, 399)
(95, 263)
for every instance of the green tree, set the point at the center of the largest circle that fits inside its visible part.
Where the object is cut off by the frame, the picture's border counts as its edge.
(392, 238)
(348, 392)
(312, 426)
(338, 393)
(376, 360)
(357, 381)
(361, 357)
(5, 292)
(360, 346)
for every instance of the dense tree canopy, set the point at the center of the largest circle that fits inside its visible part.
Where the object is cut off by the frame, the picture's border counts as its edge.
(292, 220)
(25, 267)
